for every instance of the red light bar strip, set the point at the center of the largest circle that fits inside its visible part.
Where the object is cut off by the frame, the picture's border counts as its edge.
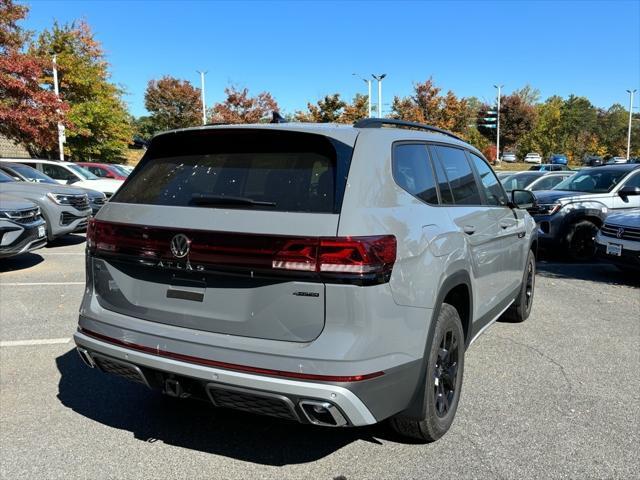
(230, 366)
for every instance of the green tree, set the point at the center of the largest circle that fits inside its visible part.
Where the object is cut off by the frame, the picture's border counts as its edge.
(613, 125)
(328, 109)
(173, 103)
(546, 136)
(100, 127)
(528, 94)
(144, 128)
(578, 128)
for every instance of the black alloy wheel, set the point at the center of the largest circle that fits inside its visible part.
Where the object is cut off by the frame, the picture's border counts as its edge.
(445, 372)
(582, 241)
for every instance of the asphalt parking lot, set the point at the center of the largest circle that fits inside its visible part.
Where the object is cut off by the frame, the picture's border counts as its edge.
(555, 397)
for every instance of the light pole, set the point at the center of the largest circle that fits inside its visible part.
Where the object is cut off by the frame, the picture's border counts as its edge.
(204, 104)
(57, 92)
(631, 92)
(368, 82)
(379, 79)
(499, 87)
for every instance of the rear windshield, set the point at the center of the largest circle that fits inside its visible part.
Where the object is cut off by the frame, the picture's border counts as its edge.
(241, 168)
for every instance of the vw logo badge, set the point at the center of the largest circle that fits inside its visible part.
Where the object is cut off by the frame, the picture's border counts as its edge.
(620, 233)
(180, 245)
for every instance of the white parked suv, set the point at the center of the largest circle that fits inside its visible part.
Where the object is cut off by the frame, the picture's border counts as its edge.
(68, 173)
(327, 274)
(533, 158)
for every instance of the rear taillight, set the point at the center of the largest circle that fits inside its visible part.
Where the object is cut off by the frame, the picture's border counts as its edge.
(363, 260)
(299, 255)
(357, 255)
(341, 255)
(91, 233)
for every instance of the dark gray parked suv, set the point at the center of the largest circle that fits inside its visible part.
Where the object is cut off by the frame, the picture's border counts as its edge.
(569, 215)
(326, 274)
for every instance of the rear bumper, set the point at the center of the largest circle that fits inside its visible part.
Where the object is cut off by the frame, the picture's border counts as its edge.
(153, 370)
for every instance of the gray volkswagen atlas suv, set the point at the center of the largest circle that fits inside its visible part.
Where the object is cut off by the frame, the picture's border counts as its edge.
(325, 274)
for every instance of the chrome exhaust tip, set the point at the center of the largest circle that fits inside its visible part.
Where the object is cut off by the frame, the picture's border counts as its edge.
(322, 413)
(85, 356)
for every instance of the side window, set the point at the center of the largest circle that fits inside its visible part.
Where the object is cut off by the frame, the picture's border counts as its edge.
(57, 172)
(633, 181)
(458, 171)
(98, 172)
(547, 183)
(412, 171)
(490, 183)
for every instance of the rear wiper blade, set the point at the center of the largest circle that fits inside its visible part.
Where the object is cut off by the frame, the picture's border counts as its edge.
(227, 200)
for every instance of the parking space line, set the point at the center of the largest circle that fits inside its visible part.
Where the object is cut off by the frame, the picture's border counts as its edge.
(26, 284)
(28, 343)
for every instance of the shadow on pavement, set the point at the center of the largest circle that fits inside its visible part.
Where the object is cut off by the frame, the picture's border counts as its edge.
(20, 262)
(594, 272)
(66, 240)
(196, 425)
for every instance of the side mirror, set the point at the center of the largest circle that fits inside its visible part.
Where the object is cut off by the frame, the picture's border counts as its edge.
(629, 191)
(523, 199)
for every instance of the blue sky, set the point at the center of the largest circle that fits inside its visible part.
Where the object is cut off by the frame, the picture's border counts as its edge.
(300, 51)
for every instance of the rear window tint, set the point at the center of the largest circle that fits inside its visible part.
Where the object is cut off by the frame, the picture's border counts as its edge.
(290, 171)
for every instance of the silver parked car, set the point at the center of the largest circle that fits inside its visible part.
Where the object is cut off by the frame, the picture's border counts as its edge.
(509, 157)
(65, 209)
(22, 228)
(327, 274)
(26, 173)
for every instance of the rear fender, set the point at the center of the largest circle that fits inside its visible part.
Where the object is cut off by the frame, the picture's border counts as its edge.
(417, 407)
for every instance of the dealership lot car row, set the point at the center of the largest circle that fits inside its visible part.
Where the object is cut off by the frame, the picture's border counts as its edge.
(63, 205)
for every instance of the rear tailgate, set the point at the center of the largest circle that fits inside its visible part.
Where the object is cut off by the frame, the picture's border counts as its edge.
(202, 234)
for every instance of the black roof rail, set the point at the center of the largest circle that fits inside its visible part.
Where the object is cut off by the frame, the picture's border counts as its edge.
(380, 122)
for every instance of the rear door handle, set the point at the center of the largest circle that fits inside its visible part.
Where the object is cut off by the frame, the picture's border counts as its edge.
(469, 229)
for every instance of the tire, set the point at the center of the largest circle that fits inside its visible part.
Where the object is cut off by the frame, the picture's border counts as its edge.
(521, 308)
(580, 241)
(443, 386)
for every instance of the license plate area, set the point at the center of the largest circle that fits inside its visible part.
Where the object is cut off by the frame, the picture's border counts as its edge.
(614, 249)
(233, 305)
(41, 231)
